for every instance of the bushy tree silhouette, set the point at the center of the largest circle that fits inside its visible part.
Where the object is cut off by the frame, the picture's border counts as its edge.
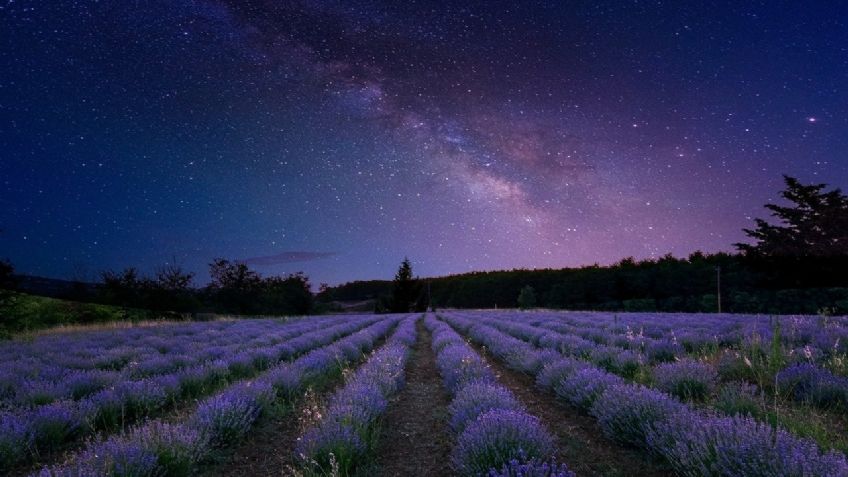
(814, 225)
(404, 289)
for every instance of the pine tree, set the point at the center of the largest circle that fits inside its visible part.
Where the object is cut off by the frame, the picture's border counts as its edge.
(816, 224)
(404, 288)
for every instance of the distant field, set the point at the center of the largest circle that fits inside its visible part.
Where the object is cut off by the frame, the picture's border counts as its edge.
(455, 393)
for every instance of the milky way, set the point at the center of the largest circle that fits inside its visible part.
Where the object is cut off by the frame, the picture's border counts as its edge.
(338, 137)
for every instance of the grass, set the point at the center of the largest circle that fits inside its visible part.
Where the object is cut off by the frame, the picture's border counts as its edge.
(26, 316)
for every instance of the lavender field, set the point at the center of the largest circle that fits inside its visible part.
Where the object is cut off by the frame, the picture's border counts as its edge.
(471, 393)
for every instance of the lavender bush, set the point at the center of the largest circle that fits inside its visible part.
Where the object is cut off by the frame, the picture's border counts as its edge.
(532, 468)
(705, 446)
(626, 413)
(582, 388)
(347, 432)
(496, 438)
(687, 379)
(739, 399)
(475, 399)
(555, 371)
(809, 383)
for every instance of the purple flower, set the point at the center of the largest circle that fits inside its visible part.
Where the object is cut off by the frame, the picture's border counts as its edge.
(702, 445)
(686, 379)
(331, 438)
(228, 416)
(532, 468)
(116, 456)
(556, 371)
(496, 438)
(53, 424)
(810, 383)
(177, 447)
(15, 439)
(627, 412)
(460, 365)
(358, 403)
(475, 399)
(582, 388)
(739, 398)
(663, 351)
(84, 383)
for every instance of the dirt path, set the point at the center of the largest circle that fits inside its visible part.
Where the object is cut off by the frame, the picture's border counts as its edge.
(582, 446)
(415, 439)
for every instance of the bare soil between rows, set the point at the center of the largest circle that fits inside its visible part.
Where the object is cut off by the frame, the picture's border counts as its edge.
(580, 442)
(414, 437)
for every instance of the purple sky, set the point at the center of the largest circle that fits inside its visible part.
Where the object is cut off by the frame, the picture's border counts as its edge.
(336, 137)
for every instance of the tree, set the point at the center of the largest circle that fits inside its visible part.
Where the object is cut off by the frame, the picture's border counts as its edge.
(814, 225)
(125, 288)
(527, 298)
(7, 275)
(172, 277)
(404, 289)
(289, 295)
(172, 289)
(7, 285)
(235, 286)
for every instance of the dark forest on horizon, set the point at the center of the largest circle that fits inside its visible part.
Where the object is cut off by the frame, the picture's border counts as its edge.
(795, 264)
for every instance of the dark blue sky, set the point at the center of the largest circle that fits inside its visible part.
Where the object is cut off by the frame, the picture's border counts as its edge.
(335, 137)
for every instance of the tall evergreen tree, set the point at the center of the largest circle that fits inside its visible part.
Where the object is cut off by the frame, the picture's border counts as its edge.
(814, 225)
(404, 288)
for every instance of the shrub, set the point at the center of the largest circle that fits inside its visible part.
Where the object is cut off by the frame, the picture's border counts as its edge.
(706, 446)
(556, 371)
(810, 383)
(14, 439)
(739, 399)
(663, 351)
(226, 417)
(459, 366)
(533, 468)
(334, 440)
(584, 386)
(177, 448)
(478, 398)
(687, 379)
(496, 438)
(626, 413)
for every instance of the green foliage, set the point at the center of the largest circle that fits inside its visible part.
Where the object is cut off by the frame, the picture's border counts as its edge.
(527, 298)
(235, 288)
(667, 284)
(28, 312)
(814, 224)
(405, 289)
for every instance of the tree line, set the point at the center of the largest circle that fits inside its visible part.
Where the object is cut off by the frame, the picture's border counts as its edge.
(795, 263)
(234, 289)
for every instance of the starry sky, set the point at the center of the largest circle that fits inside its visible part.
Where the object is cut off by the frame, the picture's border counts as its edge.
(336, 137)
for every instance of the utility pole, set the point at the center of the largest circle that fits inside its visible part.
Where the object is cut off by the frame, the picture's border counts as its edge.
(429, 302)
(718, 286)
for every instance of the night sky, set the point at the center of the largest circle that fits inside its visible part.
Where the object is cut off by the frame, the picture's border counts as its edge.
(336, 137)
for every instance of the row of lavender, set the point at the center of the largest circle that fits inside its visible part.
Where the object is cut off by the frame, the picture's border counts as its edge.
(777, 362)
(346, 435)
(695, 331)
(73, 365)
(158, 448)
(698, 380)
(495, 434)
(32, 433)
(693, 441)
